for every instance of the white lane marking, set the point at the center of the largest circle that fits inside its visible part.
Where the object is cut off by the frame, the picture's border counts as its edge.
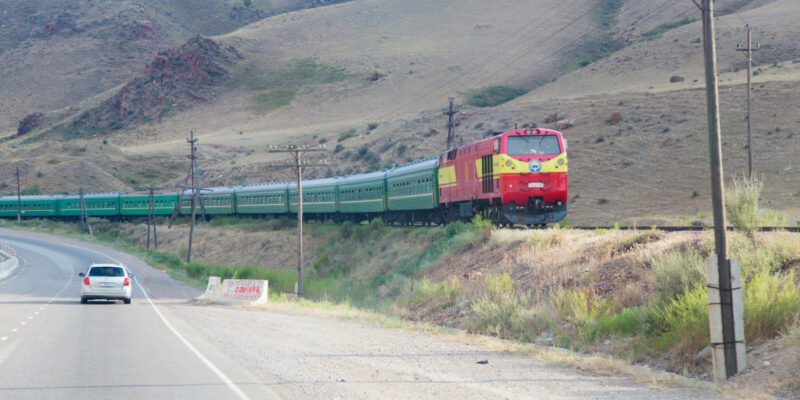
(4, 338)
(23, 323)
(14, 330)
(208, 363)
(199, 355)
(30, 317)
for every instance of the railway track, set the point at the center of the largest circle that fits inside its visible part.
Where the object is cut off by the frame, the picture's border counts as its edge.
(795, 229)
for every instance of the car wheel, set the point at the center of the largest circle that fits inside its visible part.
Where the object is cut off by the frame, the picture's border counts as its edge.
(126, 301)
(83, 300)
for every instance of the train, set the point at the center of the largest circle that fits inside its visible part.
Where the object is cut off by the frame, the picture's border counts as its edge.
(517, 177)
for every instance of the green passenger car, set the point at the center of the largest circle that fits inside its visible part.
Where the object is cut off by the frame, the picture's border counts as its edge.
(97, 204)
(139, 203)
(215, 201)
(270, 198)
(363, 193)
(319, 196)
(413, 186)
(31, 206)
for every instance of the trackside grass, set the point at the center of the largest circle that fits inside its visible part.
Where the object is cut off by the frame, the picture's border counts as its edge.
(636, 295)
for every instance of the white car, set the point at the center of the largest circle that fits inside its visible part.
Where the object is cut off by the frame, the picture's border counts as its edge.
(106, 282)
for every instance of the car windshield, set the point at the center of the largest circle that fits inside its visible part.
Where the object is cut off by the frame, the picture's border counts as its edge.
(106, 271)
(529, 145)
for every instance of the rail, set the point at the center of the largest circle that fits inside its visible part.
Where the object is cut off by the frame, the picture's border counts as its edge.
(9, 262)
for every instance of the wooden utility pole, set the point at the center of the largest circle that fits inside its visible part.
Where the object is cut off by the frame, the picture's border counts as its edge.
(451, 127)
(749, 49)
(192, 140)
(19, 199)
(725, 288)
(298, 164)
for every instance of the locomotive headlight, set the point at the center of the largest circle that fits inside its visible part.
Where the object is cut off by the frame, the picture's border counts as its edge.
(508, 163)
(560, 161)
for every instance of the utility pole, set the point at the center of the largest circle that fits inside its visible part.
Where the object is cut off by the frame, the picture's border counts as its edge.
(298, 164)
(151, 220)
(19, 199)
(451, 127)
(727, 337)
(84, 213)
(192, 140)
(749, 49)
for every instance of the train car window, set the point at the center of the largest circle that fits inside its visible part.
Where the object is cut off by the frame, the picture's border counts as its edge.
(497, 146)
(538, 145)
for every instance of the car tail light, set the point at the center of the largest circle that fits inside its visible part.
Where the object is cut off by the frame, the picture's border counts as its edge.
(127, 282)
(86, 281)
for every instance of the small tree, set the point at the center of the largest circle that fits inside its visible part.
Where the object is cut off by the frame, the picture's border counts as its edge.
(248, 3)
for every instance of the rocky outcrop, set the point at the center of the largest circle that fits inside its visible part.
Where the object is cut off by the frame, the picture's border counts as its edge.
(29, 123)
(140, 30)
(176, 78)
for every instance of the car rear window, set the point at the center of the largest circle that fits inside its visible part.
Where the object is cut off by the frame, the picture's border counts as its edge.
(106, 271)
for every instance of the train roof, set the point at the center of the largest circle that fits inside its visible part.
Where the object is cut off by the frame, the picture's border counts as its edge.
(105, 195)
(315, 183)
(146, 193)
(360, 178)
(211, 190)
(35, 197)
(260, 187)
(414, 166)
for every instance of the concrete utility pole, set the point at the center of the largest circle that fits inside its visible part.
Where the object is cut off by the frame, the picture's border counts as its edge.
(723, 312)
(84, 213)
(192, 140)
(151, 220)
(749, 49)
(451, 127)
(298, 164)
(19, 199)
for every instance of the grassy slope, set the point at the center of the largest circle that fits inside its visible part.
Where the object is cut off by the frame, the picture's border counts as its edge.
(635, 295)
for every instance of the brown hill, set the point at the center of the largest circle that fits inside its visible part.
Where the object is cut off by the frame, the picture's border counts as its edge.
(376, 73)
(175, 79)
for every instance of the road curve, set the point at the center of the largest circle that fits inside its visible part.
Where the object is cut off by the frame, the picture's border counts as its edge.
(52, 347)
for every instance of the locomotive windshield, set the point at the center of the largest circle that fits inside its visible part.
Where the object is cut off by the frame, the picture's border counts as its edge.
(528, 145)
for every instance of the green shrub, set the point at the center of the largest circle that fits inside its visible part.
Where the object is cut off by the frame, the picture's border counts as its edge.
(491, 96)
(675, 272)
(682, 324)
(482, 226)
(741, 204)
(629, 322)
(771, 304)
(347, 135)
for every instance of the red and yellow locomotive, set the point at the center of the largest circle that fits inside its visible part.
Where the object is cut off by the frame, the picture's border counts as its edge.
(518, 177)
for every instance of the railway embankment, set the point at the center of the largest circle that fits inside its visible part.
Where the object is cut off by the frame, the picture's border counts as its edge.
(636, 295)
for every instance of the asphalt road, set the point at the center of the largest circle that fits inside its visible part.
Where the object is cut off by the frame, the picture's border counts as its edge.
(164, 347)
(53, 347)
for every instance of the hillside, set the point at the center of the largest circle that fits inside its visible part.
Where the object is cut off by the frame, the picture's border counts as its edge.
(57, 53)
(375, 73)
